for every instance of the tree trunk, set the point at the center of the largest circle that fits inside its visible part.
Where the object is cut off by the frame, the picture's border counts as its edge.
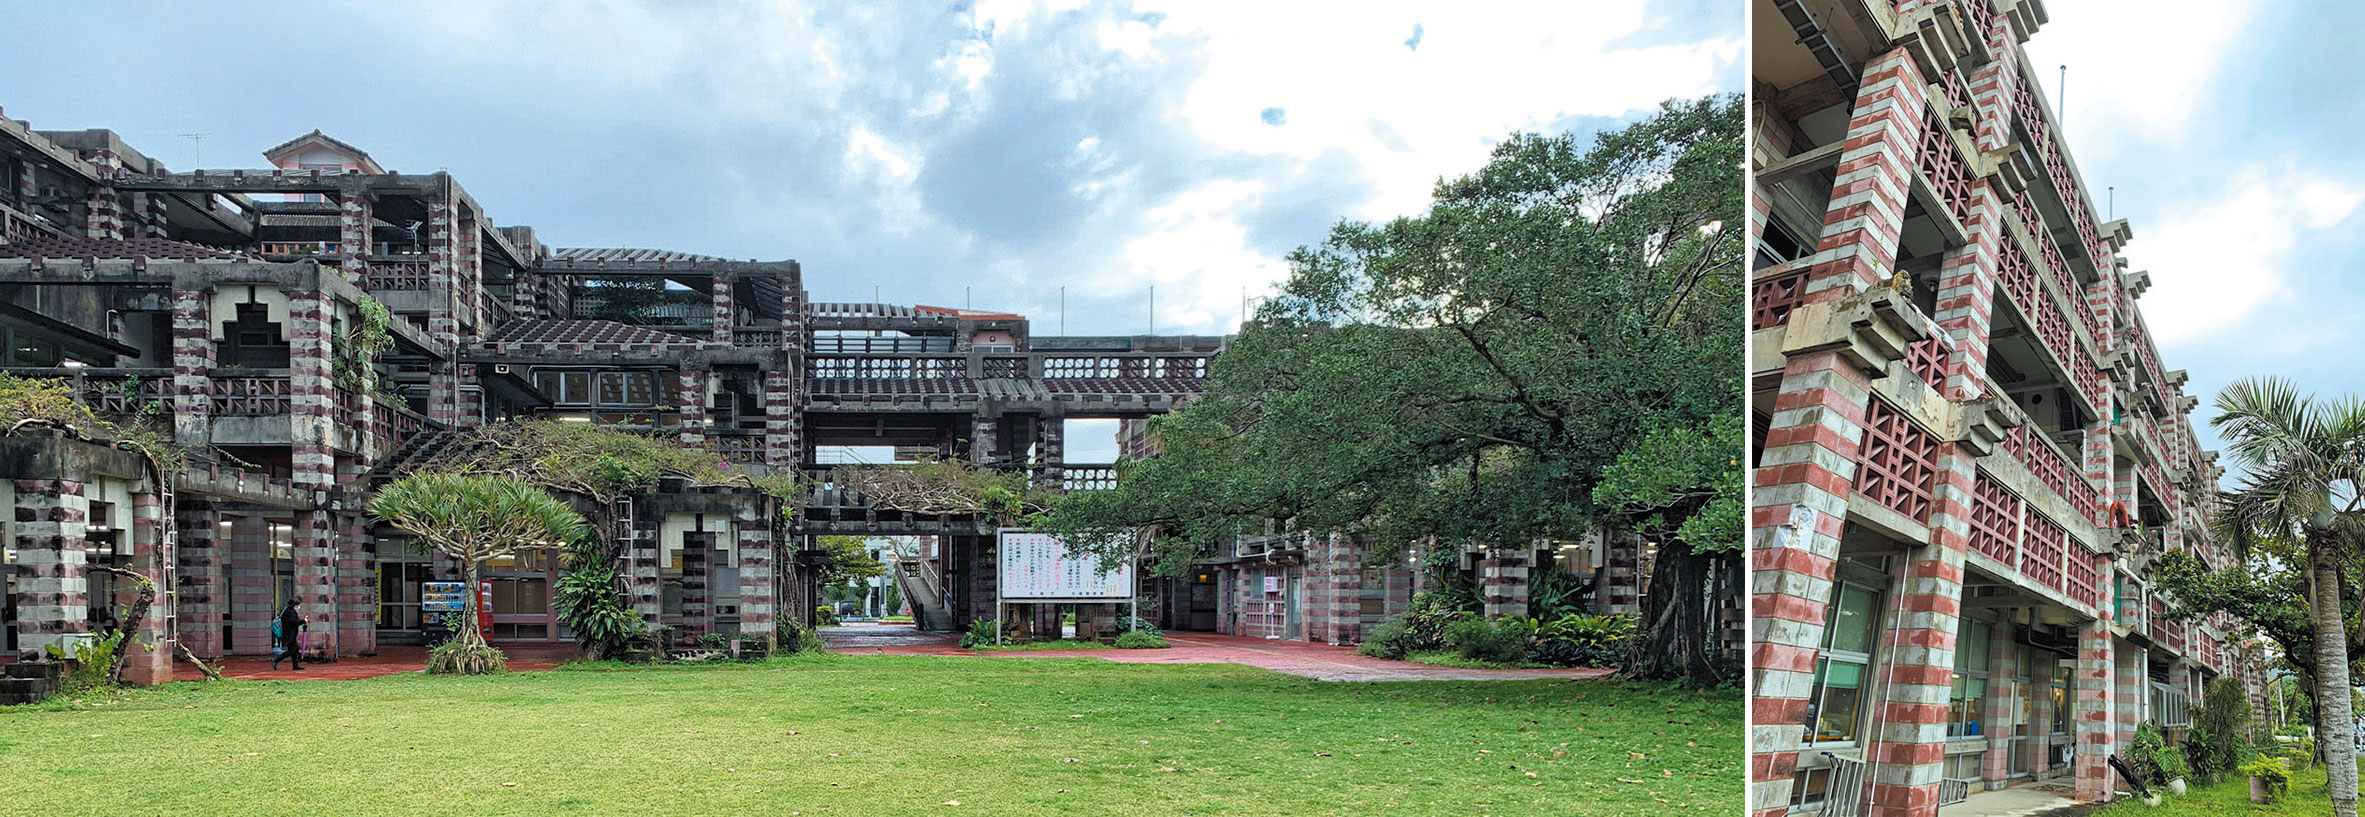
(2335, 725)
(471, 634)
(1675, 639)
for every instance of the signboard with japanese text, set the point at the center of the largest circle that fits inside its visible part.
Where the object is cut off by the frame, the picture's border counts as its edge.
(1040, 567)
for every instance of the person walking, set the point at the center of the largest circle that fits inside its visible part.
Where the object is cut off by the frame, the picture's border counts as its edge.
(283, 633)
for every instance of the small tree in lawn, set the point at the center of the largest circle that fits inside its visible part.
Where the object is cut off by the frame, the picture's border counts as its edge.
(473, 519)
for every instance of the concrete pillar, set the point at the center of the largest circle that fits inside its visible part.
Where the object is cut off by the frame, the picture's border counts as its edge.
(253, 594)
(1866, 215)
(1052, 434)
(102, 215)
(153, 556)
(52, 584)
(355, 566)
(1908, 751)
(1799, 509)
(725, 312)
(984, 439)
(758, 576)
(354, 241)
(643, 550)
(1502, 583)
(1966, 297)
(2092, 711)
(695, 397)
(697, 577)
(1998, 721)
(2041, 671)
(783, 423)
(203, 589)
(1339, 573)
(2131, 695)
(192, 363)
(313, 427)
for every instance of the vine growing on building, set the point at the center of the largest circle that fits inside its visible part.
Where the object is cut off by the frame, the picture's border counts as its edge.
(353, 359)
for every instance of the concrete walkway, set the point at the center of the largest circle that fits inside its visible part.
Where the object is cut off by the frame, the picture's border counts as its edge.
(2024, 801)
(1318, 661)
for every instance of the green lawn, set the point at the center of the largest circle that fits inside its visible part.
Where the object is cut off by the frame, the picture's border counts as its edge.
(881, 735)
(2306, 799)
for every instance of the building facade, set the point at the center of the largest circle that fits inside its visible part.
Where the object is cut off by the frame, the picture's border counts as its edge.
(1968, 452)
(222, 305)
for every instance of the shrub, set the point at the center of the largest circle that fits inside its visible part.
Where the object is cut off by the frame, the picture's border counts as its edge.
(2269, 771)
(2144, 754)
(2221, 730)
(2302, 754)
(1501, 641)
(588, 603)
(1140, 640)
(825, 616)
(1135, 625)
(714, 641)
(2171, 763)
(94, 662)
(1420, 628)
(1583, 641)
(981, 634)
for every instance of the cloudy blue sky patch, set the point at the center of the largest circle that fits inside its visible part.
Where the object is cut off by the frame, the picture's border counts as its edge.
(1002, 149)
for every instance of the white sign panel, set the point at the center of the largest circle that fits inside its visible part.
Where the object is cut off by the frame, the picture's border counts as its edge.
(1040, 566)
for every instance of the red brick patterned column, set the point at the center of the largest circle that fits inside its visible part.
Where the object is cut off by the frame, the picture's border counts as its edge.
(783, 420)
(1907, 756)
(1342, 568)
(1966, 298)
(725, 312)
(253, 596)
(2092, 712)
(1866, 215)
(354, 241)
(1503, 583)
(192, 363)
(759, 582)
(313, 428)
(985, 438)
(203, 589)
(695, 396)
(52, 583)
(153, 556)
(355, 566)
(102, 215)
(1997, 722)
(1798, 510)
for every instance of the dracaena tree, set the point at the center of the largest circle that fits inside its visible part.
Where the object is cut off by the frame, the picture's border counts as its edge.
(474, 519)
(2301, 501)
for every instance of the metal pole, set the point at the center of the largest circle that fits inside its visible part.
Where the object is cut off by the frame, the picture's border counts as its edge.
(1153, 309)
(2061, 99)
(1063, 310)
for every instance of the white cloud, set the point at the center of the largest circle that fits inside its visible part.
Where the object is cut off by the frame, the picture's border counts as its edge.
(2138, 72)
(2218, 257)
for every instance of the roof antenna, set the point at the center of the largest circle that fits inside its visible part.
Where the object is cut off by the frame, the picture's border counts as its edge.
(1063, 311)
(1153, 309)
(2111, 210)
(2061, 98)
(196, 146)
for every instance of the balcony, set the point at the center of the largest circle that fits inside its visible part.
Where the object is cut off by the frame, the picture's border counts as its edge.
(1089, 477)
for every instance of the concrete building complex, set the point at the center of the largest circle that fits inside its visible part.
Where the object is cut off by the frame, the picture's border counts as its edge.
(1968, 451)
(219, 304)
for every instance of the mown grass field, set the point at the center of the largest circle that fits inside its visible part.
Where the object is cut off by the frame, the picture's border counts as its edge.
(2307, 798)
(880, 735)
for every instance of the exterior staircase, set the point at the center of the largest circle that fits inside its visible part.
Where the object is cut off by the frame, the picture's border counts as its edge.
(27, 682)
(417, 449)
(921, 588)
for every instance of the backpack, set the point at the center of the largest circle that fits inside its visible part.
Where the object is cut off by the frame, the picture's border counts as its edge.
(275, 630)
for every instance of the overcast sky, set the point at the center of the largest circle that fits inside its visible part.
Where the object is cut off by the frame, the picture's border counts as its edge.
(998, 150)
(2238, 154)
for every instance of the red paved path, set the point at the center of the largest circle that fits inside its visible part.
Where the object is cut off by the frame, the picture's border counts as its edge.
(388, 661)
(1318, 661)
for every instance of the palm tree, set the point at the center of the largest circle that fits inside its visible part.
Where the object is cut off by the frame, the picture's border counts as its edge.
(2300, 499)
(473, 519)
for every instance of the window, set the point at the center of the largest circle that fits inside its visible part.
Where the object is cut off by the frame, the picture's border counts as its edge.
(2064, 696)
(1966, 705)
(1778, 246)
(1836, 702)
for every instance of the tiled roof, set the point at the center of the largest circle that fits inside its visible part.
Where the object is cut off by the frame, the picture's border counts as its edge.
(584, 332)
(633, 255)
(144, 247)
(331, 141)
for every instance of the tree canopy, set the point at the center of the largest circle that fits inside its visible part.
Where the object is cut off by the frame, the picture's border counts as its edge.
(1470, 375)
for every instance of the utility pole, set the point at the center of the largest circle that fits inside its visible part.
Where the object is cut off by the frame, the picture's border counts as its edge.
(2061, 99)
(197, 147)
(1153, 309)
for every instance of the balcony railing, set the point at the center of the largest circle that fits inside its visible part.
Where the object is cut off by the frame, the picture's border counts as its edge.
(399, 276)
(1899, 462)
(251, 396)
(743, 449)
(1773, 297)
(1088, 477)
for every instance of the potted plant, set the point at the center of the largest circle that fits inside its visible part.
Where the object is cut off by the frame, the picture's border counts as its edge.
(2268, 780)
(753, 647)
(2173, 767)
